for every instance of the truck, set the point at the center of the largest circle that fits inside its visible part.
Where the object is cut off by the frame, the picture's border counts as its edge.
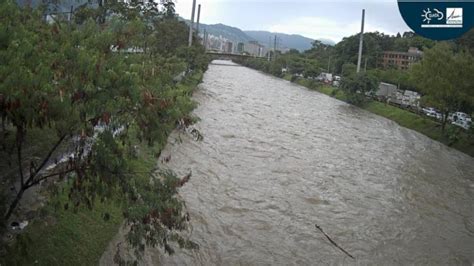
(386, 91)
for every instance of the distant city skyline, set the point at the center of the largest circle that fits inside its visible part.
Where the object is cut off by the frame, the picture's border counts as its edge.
(314, 19)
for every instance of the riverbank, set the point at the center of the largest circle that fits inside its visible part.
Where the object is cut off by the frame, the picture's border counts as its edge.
(424, 125)
(58, 236)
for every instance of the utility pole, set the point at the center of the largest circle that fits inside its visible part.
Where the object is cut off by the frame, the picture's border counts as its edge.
(190, 40)
(274, 48)
(70, 14)
(197, 21)
(204, 39)
(269, 47)
(361, 41)
(329, 63)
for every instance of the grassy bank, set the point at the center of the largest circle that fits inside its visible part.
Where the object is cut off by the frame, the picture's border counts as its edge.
(61, 237)
(405, 118)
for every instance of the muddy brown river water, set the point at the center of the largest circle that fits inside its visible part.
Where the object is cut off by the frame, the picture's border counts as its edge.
(277, 159)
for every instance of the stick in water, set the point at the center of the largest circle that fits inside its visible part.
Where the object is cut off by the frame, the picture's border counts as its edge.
(332, 241)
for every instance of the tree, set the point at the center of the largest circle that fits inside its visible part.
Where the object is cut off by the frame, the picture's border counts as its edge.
(169, 8)
(445, 78)
(395, 76)
(357, 86)
(294, 51)
(466, 41)
(349, 69)
(96, 86)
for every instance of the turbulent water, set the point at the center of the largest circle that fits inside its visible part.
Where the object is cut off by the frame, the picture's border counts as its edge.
(277, 159)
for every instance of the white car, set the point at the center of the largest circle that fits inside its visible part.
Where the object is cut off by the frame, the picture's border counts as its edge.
(434, 114)
(429, 110)
(460, 116)
(462, 123)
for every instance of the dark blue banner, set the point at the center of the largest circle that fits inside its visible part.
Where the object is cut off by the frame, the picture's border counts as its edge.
(438, 20)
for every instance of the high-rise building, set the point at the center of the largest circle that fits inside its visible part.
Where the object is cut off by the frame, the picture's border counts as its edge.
(254, 48)
(229, 47)
(240, 47)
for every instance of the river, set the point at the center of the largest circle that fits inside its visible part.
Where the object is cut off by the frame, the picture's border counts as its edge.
(277, 159)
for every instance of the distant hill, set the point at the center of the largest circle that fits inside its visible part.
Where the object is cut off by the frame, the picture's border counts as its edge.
(285, 40)
(232, 33)
(237, 35)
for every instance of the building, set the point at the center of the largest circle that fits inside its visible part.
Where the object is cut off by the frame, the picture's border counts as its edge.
(255, 49)
(400, 60)
(240, 47)
(229, 47)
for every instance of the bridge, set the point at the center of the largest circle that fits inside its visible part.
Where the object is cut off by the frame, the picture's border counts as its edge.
(229, 56)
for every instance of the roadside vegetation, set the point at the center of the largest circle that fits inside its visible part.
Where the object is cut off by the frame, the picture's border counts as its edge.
(87, 102)
(443, 77)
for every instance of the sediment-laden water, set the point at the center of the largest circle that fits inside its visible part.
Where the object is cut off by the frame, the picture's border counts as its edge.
(277, 159)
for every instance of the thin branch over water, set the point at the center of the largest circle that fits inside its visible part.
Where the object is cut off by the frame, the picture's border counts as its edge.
(334, 243)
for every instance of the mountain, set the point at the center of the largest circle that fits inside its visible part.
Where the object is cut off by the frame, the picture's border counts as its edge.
(285, 40)
(231, 33)
(237, 35)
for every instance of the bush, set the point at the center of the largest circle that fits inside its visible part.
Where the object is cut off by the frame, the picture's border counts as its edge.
(357, 86)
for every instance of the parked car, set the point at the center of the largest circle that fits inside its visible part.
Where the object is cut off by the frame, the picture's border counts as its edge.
(432, 112)
(460, 116)
(427, 110)
(435, 115)
(462, 123)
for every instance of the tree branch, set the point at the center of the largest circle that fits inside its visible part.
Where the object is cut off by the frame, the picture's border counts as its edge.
(46, 159)
(332, 242)
(30, 182)
(19, 139)
(37, 181)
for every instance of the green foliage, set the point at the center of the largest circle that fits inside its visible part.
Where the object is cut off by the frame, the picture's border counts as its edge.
(64, 237)
(295, 63)
(358, 86)
(97, 85)
(466, 42)
(168, 8)
(453, 134)
(349, 69)
(375, 43)
(445, 77)
(395, 76)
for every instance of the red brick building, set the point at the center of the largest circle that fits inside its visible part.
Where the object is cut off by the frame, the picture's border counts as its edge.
(400, 60)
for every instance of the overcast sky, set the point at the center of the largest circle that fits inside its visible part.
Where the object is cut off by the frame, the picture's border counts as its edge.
(311, 18)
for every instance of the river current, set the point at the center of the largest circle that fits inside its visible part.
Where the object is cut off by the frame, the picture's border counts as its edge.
(277, 158)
